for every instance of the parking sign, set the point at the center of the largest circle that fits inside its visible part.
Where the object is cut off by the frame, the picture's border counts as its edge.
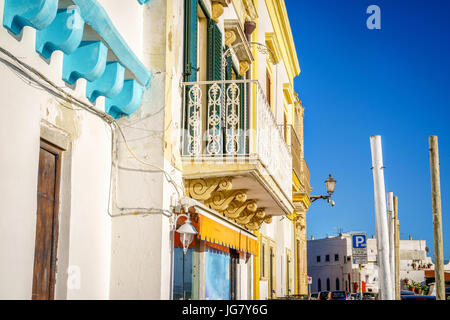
(359, 248)
(359, 241)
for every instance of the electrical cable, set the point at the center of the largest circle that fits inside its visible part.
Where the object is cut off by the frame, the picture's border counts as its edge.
(60, 94)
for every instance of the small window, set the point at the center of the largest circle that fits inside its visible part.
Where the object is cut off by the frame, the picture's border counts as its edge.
(318, 258)
(269, 88)
(336, 257)
(327, 258)
(263, 270)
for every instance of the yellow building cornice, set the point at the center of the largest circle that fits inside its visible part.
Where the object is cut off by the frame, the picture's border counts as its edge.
(302, 198)
(289, 93)
(274, 46)
(280, 21)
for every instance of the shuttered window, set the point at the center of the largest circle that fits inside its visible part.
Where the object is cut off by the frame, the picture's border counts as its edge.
(215, 51)
(190, 40)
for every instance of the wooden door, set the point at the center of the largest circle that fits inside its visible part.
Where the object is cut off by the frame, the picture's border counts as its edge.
(46, 222)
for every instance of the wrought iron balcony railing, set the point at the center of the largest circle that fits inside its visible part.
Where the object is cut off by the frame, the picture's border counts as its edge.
(231, 121)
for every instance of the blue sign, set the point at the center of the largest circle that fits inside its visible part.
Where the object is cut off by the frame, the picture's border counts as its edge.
(359, 241)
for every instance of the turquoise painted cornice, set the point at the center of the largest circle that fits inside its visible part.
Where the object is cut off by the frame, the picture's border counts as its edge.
(36, 13)
(94, 15)
(109, 85)
(64, 33)
(143, 1)
(127, 101)
(62, 29)
(88, 62)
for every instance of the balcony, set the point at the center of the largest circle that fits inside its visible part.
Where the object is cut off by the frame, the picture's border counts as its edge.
(230, 131)
(299, 165)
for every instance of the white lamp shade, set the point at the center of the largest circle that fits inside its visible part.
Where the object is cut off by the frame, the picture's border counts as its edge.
(187, 233)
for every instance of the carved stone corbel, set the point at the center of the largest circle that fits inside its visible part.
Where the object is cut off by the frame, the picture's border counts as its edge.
(230, 37)
(217, 11)
(257, 220)
(202, 189)
(220, 200)
(243, 67)
(236, 208)
(246, 216)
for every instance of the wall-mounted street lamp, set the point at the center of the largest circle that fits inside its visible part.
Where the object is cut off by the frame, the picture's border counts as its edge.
(187, 233)
(330, 184)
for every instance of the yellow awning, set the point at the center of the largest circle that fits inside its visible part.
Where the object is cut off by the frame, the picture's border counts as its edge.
(217, 233)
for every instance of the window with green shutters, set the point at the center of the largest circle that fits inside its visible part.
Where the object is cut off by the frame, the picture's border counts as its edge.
(214, 111)
(190, 64)
(215, 51)
(190, 40)
(216, 129)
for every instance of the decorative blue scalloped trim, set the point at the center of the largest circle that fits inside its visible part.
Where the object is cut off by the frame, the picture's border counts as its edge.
(64, 33)
(88, 62)
(143, 1)
(109, 85)
(35, 13)
(95, 15)
(63, 30)
(127, 101)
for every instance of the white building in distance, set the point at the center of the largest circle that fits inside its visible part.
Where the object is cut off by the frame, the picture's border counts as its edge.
(331, 266)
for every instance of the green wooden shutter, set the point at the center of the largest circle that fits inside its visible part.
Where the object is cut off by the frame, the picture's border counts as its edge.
(229, 67)
(214, 71)
(190, 40)
(190, 57)
(215, 50)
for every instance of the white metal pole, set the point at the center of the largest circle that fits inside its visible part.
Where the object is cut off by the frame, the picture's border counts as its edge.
(390, 208)
(381, 218)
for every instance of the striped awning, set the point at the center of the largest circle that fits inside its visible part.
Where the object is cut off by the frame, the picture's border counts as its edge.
(218, 233)
(215, 230)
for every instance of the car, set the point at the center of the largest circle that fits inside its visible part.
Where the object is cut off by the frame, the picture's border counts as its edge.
(369, 296)
(338, 295)
(409, 295)
(324, 295)
(353, 296)
(447, 293)
(314, 296)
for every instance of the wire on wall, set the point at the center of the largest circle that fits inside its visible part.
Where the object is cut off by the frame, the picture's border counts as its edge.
(35, 79)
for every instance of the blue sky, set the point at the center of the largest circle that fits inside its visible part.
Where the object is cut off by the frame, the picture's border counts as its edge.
(357, 82)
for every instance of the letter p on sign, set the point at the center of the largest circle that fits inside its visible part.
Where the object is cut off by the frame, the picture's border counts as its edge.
(359, 241)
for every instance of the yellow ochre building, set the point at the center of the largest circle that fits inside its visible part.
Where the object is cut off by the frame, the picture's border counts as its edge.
(242, 153)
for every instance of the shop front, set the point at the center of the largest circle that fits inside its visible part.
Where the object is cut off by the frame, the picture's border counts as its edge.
(217, 265)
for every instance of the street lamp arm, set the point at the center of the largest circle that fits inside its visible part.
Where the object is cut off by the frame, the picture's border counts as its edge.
(314, 198)
(174, 226)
